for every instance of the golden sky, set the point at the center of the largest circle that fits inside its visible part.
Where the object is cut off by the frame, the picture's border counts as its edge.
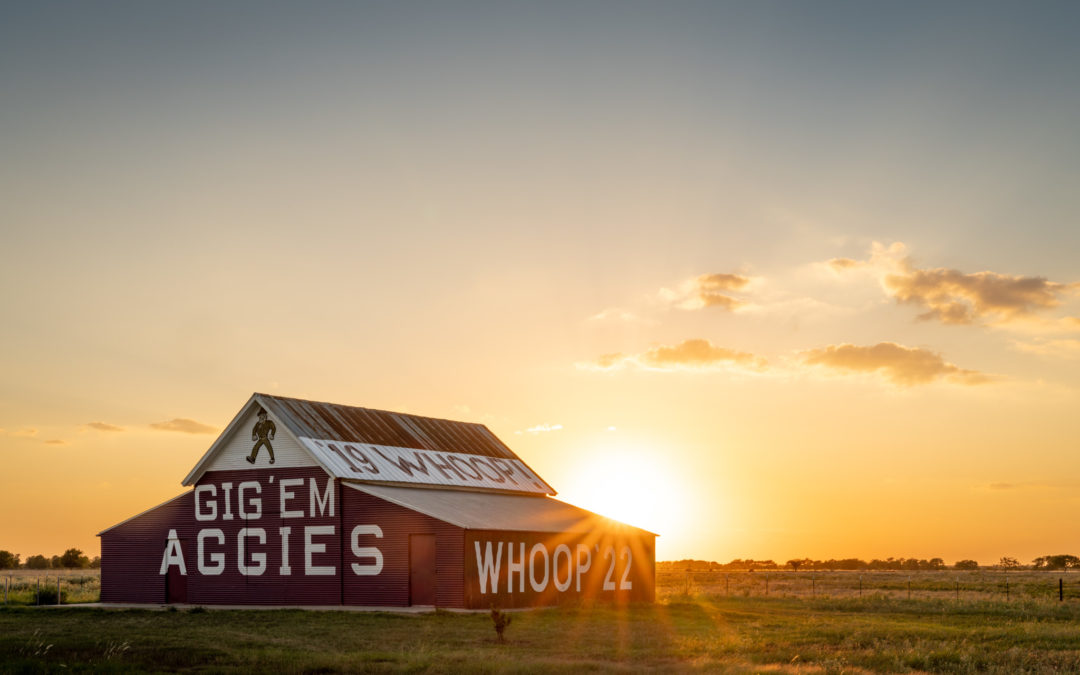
(773, 281)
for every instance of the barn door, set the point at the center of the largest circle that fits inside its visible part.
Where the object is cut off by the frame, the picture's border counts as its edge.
(421, 569)
(175, 586)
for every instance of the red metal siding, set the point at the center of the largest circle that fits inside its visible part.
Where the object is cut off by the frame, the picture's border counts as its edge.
(131, 553)
(603, 565)
(391, 585)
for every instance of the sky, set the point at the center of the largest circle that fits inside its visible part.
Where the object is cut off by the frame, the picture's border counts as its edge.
(771, 279)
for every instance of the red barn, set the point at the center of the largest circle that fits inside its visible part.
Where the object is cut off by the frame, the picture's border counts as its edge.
(305, 503)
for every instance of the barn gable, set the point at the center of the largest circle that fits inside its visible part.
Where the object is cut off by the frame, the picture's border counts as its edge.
(371, 446)
(231, 450)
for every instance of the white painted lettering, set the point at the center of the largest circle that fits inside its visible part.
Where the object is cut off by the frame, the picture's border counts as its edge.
(285, 570)
(582, 567)
(259, 559)
(311, 548)
(287, 494)
(218, 559)
(211, 503)
(375, 567)
(174, 555)
(561, 585)
(512, 567)
(625, 584)
(538, 586)
(325, 502)
(227, 488)
(256, 502)
(609, 583)
(488, 569)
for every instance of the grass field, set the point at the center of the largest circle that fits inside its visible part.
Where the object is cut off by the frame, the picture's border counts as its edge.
(728, 634)
(808, 623)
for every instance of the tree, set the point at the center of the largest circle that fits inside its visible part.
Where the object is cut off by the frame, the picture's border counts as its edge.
(96, 563)
(37, 562)
(9, 560)
(966, 565)
(1007, 563)
(799, 562)
(73, 558)
(1056, 562)
(54, 562)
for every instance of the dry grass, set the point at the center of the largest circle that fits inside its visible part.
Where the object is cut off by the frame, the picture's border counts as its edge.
(21, 586)
(936, 585)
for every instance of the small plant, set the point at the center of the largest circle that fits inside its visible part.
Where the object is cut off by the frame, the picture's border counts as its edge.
(47, 596)
(197, 610)
(501, 621)
(36, 646)
(115, 650)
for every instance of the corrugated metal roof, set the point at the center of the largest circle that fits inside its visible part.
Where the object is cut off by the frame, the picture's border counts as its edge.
(351, 424)
(494, 511)
(376, 445)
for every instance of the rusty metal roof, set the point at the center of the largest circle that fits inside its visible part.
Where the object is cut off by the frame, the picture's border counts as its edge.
(352, 424)
(494, 511)
(368, 445)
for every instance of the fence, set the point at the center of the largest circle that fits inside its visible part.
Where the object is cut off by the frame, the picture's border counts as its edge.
(945, 584)
(49, 587)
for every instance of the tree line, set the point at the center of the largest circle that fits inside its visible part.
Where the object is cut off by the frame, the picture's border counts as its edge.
(72, 559)
(1048, 562)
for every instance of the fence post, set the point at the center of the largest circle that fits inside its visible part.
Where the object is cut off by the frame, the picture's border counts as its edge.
(37, 593)
(813, 586)
(1061, 590)
(958, 589)
(58, 589)
(909, 588)
(766, 584)
(1006, 588)
(860, 585)
(725, 584)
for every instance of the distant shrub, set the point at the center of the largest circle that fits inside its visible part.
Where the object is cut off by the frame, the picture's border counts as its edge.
(47, 596)
(966, 565)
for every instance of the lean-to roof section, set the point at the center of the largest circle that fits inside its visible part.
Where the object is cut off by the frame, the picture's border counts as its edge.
(492, 511)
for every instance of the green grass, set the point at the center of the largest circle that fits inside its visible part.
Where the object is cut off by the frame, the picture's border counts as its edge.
(727, 634)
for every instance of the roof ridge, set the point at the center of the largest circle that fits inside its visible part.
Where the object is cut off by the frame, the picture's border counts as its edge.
(360, 407)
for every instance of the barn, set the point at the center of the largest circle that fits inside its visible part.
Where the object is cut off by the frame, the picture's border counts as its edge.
(307, 503)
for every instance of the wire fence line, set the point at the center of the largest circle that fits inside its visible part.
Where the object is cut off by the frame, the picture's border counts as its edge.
(49, 587)
(946, 584)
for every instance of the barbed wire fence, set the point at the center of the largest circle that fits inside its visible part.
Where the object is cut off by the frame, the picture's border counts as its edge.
(999, 585)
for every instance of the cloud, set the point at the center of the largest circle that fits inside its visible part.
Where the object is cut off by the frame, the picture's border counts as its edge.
(102, 426)
(903, 366)
(56, 441)
(1068, 348)
(694, 354)
(841, 264)
(615, 314)
(954, 297)
(1029, 486)
(706, 290)
(27, 432)
(541, 428)
(184, 426)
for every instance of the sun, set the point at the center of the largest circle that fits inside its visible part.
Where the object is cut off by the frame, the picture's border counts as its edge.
(630, 484)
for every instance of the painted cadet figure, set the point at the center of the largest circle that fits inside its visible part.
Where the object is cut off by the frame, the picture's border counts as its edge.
(263, 432)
